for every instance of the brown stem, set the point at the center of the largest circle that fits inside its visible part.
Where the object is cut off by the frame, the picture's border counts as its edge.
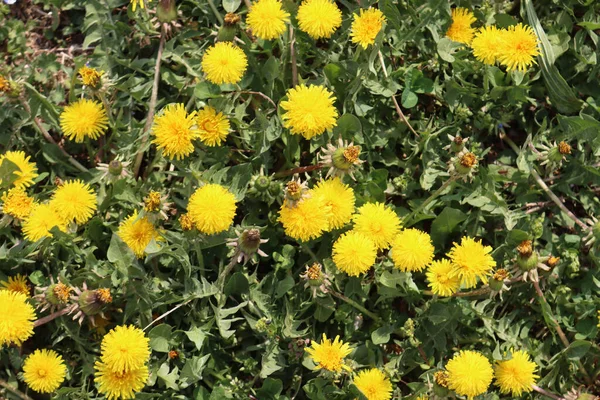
(13, 390)
(423, 355)
(396, 105)
(38, 123)
(48, 318)
(298, 170)
(152, 105)
(293, 56)
(546, 393)
(264, 96)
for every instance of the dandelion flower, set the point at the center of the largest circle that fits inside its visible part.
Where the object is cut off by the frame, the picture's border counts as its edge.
(460, 30)
(485, 44)
(17, 284)
(516, 375)
(120, 384)
(26, 171)
(441, 280)
(174, 133)
(16, 324)
(224, 63)
(83, 119)
(90, 76)
(469, 373)
(74, 201)
(212, 208)
(309, 110)
(377, 222)
(366, 26)
(340, 200)
(125, 349)
(307, 220)
(137, 233)
(412, 250)
(374, 384)
(17, 203)
(329, 355)
(267, 19)
(44, 371)
(135, 3)
(39, 222)
(471, 260)
(518, 47)
(319, 18)
(213, 128)
(354, 253)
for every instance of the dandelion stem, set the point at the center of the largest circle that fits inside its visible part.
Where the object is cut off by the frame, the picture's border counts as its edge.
(153, 98)
(264, 96)
(211, 4)
(297, 170)
(167, 313)
(14, 390)
(546, 393)
(48, 318)
(354, 304)
(293, 57)
(38, 124)
(309, 252)
(398, 109)
(433, 196)
(226, 271)
(545, 187)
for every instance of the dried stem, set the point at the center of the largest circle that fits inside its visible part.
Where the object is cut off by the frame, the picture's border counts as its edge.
(14, 390)
(48, 318)
(354, 304)
(398, 109)
(433, 196)
(546, 393)
(545, 187)
(264, 96)
(152, 106)
(293, 57)
(298, 170)
(160, 317)
(38, 123)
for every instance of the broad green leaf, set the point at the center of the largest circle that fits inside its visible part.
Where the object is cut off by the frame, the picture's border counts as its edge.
(445, 223)
(231, 6)
(160, 336)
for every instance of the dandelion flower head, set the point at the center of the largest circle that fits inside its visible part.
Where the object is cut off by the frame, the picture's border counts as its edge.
(90, 76)
(83, 119)
(308, 219)
(125, 349)
(74, 201)
(441, 280)
(469, 373)
(44, 371)
(16, 203)
(309, 110)
(340, 200)
(460, 29)
(224, 63)
(412, 250)
(17, 284)
(267, 19)
(471, 260)
(517, 375)
(26, 171)
(354, 253)
(486, 43)
(366, 26)
(137, 233)
(319, 18)
(518, 47)
(173, 131)
(374, 384)
(212, 208)
(120, 384)
(329, 355)
(213, 127)
(41, 219)
(16, 324)
(377, 222)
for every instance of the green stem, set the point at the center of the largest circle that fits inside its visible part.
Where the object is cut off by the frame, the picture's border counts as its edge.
(226, 271)
(211, 4)
(433, 196)
(354, 304)
(309, 252)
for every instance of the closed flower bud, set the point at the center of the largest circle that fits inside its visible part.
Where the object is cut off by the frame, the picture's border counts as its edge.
(92, 302)
(527, 263)
(497, 281)
(58, 294)
(166, 12)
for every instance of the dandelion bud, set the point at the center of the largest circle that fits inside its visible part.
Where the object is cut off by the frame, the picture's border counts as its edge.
(58, 294)
(275, 189)
(152, 202)
(552, 261)
(463, 164)
(115, 167)
(10, 88)
(231, 19)
(92, 302)
(262, 183)
(166, 12)
(247, 245)
(229, 29)
(90, 77)
(294, 192)
(564, 148)
(497, 281)
(457, 143)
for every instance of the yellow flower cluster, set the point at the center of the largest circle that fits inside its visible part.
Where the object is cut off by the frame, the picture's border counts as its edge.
(122, 369)
(514, 47)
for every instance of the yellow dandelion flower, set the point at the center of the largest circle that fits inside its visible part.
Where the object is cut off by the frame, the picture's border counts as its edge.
(17, 284)
(374, 384)
(319, 18)
(518, 47)
(4, 84)
(17, 203)
(366, 26)
(74, 201)
(460, 30)
(213, 128)
(329, 355)
(412, 250)
(471, 260)
(39, 222)
(486, 43)
(173, 131)
(26, 171)
(125, 349)
(340, 200)
(83, 119)
(120, 385)
(517, 375)
(224, 63)
(309, 110)
(44, 371)
(377, 222)
(212, 208)
(307, 220)
(354, 253)
(16, 324)
(469, 373)
(137, 233)
(441, 280)
(267, 19)
(90, 76)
